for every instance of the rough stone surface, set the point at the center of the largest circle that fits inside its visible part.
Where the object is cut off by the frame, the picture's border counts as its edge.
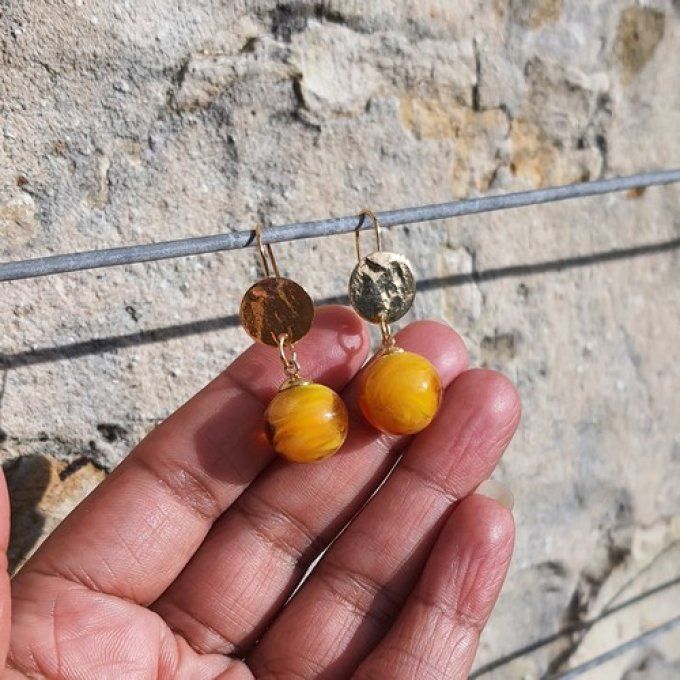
(128, 122)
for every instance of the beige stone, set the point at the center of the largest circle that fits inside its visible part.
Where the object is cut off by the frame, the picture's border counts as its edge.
(639, 31)
(537, 159)
(531, 13)
(18, 223)
(478, 137)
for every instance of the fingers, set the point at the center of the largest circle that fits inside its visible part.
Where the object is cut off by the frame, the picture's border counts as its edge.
(356, 592)
(136, 532)
(437, 633)
(259, 549)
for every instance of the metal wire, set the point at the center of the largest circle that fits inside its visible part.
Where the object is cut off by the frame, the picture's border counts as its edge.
(581, 626)
(109, 257)
(618, 650)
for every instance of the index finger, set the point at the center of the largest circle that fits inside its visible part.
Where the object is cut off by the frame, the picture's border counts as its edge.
(136, 531)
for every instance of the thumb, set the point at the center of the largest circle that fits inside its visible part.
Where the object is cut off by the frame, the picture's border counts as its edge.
(5, 594)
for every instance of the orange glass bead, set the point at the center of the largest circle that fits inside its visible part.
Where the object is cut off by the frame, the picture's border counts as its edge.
(400, 392)
(306, 422)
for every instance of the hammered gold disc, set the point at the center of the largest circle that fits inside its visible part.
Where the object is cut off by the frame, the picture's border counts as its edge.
(382, 287)
(274, 306)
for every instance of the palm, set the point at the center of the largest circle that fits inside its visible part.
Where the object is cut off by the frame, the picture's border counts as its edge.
(181, 564)
(95, 635)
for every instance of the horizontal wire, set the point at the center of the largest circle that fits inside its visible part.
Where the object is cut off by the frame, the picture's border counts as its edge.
(109, 257)
(113, 343)
(618, 650)
(582, 626)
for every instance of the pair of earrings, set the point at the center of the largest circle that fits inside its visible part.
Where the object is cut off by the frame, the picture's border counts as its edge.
(399, 392)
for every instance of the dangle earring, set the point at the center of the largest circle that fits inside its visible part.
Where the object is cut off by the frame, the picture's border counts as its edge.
(399, 391)
(305, 421)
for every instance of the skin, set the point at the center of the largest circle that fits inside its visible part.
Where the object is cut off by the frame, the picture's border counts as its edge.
(183, 562)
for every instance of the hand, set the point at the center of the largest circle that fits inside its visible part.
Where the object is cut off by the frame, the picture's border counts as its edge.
(181, 564)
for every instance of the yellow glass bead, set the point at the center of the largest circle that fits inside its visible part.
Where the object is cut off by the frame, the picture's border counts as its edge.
(306, 422)
(400, 392)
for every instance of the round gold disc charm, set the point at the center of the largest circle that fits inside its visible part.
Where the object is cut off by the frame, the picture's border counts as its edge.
(382, 287)
(275, 306)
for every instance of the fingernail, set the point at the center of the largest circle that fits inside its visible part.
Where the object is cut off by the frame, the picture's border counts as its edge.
(498, 491)
(439, 320)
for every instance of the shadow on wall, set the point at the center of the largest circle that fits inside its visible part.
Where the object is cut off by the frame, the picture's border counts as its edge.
(27, 480)
(154, 335)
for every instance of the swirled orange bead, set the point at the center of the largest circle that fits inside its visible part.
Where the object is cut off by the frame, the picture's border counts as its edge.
(400, 392)
(306, 423)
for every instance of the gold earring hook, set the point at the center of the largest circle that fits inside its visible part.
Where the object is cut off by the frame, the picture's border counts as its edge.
(289, 359)
(376, 225)
(263, 255)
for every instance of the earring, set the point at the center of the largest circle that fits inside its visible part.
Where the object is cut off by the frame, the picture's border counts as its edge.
(305, 421)
(399, 391)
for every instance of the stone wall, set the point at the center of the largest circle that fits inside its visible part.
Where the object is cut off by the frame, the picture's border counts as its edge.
(128, 122)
